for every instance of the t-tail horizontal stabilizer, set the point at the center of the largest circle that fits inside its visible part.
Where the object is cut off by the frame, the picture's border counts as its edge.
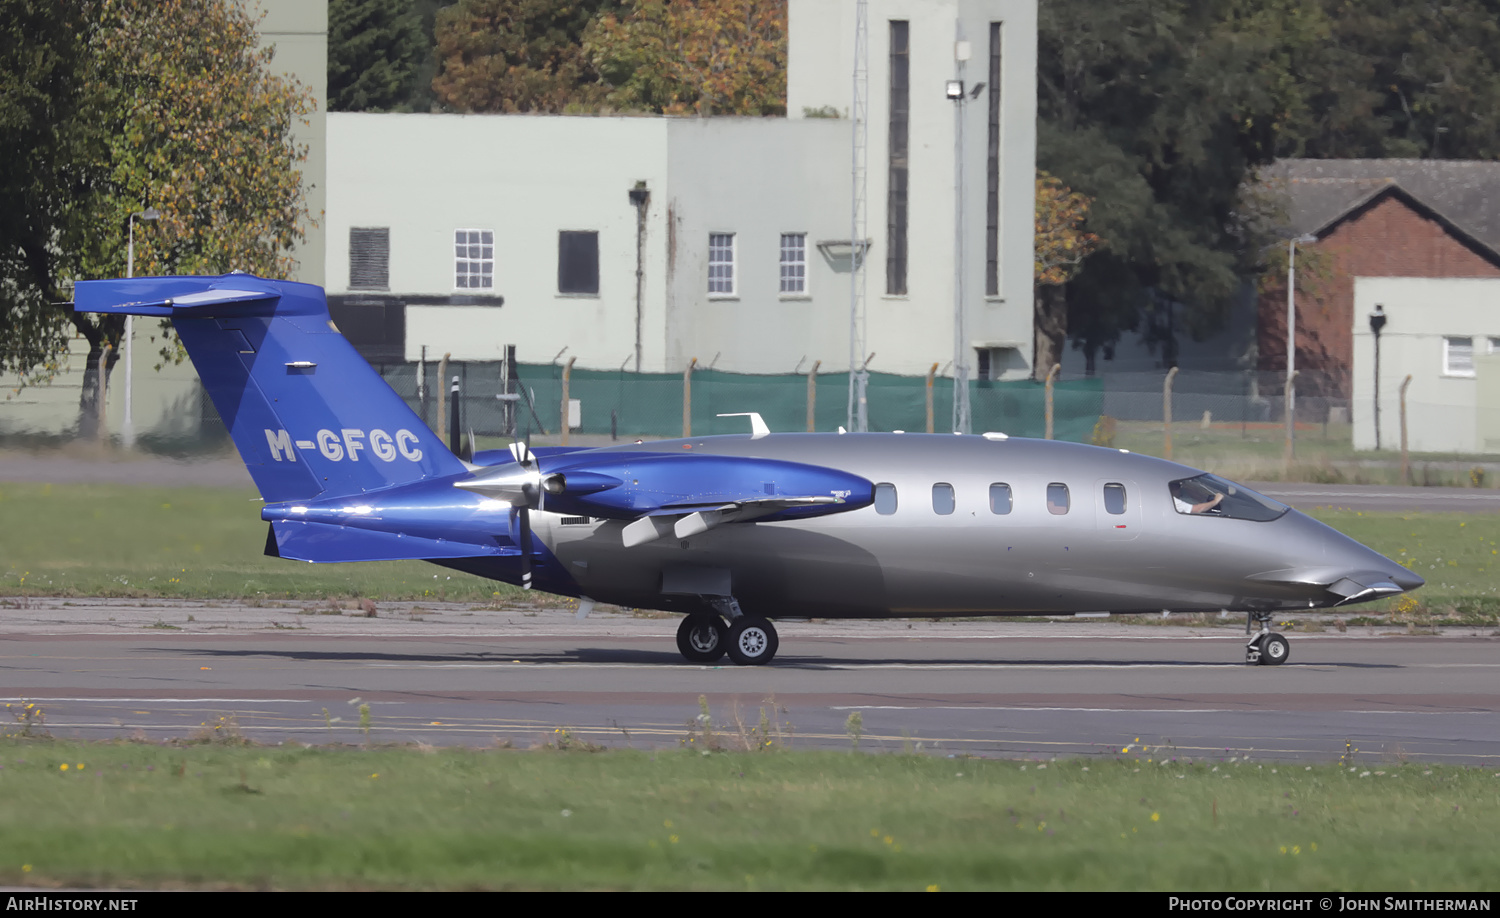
(307, 413)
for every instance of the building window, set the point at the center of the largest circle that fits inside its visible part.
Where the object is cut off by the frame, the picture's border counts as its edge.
(885, 498)
(942, 498)
(721, 264)
(1114, 498)
(992, 173)
(369, 258)
(1458, 356)
(895, 207)
(1000, 499)
(1057, 498)
(577, 262)
(794, 263)
(474, 259)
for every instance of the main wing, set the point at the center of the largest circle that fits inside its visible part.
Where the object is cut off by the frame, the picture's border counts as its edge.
(661, 493)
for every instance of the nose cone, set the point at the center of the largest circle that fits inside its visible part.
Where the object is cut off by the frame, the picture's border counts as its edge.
(1348, 571)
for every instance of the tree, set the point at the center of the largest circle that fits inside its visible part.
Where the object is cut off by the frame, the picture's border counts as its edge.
(1061, 246)
(375, 50)
(517, 56)
(153, 103)
(46, 160)
(712, 57)
(1387, 78)
(1156, 111)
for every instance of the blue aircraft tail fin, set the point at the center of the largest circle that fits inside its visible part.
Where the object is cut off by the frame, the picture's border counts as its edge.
(307, 413)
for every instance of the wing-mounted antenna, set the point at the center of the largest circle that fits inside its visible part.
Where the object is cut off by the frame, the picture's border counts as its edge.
(758, 426)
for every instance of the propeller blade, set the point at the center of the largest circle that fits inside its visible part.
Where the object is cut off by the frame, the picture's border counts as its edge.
(467, 452)
(525, 521)
(455, 426)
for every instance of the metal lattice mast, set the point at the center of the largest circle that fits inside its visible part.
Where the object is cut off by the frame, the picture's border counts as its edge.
(859, 117)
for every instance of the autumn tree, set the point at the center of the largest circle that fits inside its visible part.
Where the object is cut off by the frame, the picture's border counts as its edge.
(47, 162)
(710, 57)
(167, 104)
(1061, 245)
(518, 56)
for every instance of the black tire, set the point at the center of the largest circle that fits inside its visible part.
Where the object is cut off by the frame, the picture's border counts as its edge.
(700, 638)
(1274, 650)
(752, 641)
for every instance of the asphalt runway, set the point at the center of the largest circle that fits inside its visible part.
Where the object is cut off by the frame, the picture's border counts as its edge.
(456, 676)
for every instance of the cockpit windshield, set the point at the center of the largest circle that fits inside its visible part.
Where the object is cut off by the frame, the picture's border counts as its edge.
(1210, 495)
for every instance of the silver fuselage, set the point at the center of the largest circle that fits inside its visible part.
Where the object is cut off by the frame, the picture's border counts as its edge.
(972, 561)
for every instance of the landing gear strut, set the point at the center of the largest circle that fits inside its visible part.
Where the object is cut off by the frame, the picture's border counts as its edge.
(1266, 647)
(748, 639)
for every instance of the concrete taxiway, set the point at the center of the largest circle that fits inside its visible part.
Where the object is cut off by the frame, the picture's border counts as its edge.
(451, 674)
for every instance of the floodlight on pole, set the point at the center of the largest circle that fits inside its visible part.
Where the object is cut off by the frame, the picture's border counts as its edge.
(956, 93)
(127, 426)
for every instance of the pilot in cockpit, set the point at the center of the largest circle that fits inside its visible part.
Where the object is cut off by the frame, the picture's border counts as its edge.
(1192, 496)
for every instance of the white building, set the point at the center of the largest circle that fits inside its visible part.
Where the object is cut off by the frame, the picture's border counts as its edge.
(1445, 334)
(465, 233)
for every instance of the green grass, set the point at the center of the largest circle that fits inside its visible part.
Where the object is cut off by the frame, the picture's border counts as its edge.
(1324, 454)
(149, 542)
(1458, 554)
(300, 818)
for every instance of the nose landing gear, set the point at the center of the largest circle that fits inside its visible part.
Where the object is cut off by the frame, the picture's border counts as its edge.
(1266, 648)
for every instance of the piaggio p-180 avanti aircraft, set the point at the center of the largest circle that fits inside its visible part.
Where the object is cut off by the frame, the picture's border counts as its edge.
(735, 531)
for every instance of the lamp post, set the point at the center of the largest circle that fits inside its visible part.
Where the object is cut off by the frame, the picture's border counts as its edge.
(127, 426)
(640, 198)
(1291, 335)
(955, 92)
(1377, 322)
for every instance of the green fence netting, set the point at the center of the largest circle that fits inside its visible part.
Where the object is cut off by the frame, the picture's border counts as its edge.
(630, 405)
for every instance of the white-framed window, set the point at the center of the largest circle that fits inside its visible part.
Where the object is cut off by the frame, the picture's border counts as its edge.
(1494, 346)
(721, 264)
(1458, 356)
(793, 264)
(473, 259)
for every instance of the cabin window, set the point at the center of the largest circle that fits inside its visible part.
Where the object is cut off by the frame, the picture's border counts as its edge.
(1057, 498)
(942, 498)
(1114, 498)
(885, 498)
(1000, 499)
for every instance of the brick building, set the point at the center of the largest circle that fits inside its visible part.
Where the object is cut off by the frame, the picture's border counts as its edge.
(1371, 218)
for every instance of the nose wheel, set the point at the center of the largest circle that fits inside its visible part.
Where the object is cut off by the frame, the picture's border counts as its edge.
(1266, 648)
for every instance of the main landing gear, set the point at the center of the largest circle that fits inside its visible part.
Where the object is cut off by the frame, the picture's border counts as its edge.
(749, 640)
(1266, 648)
